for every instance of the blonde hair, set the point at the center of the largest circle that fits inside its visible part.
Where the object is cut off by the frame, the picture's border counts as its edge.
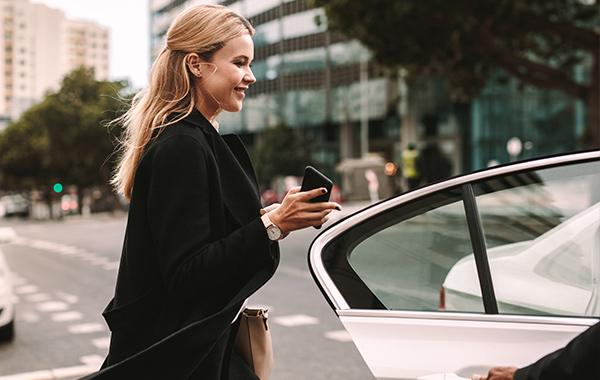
(203, 30)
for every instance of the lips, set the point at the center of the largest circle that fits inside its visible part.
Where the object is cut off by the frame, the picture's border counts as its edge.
(240, 90)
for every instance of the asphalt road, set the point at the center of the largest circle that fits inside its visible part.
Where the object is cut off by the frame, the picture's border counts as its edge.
(64, 274)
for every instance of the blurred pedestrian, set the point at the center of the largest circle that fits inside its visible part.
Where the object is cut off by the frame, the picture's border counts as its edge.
(409, 166)
(432, 164)
(196, 246)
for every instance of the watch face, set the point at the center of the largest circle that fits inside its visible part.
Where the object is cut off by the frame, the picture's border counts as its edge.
(274, 232)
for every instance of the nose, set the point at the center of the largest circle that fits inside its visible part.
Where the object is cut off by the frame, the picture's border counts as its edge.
(249, 77)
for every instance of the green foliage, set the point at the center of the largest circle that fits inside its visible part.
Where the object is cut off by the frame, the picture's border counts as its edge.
(537, 41)
(464, 39)
(281, 152)
(63, 138)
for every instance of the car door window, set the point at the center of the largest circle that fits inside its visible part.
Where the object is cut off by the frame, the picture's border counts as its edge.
(399, 259)
(541, 230)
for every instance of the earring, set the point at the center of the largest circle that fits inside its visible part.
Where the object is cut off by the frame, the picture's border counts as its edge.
(198, 74)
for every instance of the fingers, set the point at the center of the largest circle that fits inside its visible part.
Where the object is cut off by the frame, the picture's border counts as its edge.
(297, 212)
(310, 194)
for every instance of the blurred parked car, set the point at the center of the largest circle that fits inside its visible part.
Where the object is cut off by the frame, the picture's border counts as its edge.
(496, 267)
(555, 263)
(69, 205)
(14, 205)
(7, 306)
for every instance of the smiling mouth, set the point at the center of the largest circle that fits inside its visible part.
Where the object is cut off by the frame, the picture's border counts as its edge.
(240, 90)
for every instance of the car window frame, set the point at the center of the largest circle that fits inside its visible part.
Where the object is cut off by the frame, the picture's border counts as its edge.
(329, 288)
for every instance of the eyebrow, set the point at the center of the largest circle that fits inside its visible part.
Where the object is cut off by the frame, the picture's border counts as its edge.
(244, 57)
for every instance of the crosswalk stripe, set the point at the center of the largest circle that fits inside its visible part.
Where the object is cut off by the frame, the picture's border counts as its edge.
(339, 335)
(86, 328)
(296, 320)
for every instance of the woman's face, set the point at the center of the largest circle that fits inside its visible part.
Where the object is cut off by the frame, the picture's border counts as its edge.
(224, 80)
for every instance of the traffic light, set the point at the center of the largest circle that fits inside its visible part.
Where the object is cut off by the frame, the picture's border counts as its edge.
(58, 187)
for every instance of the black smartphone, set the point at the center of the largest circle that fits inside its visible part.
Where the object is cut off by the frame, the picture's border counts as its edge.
(314, 179)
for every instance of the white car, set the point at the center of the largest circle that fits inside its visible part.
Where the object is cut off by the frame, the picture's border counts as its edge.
(497, 267)
(7, 302)
(14, 205)
(555, 263)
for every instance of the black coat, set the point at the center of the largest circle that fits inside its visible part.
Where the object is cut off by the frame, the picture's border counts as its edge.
(580, 359)
(195, 248)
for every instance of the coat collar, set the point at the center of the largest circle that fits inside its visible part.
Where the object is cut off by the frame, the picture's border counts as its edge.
(238, 179)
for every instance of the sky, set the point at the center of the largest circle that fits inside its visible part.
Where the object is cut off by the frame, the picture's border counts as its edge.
(128, 21)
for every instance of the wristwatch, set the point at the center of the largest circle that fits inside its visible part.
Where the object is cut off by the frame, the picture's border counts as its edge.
(273, 232)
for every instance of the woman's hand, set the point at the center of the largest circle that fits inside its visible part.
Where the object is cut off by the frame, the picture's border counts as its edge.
(297, 211)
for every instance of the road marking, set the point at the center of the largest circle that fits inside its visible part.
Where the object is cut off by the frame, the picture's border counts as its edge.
(26, 289)
(51, 374)
(86, 328)
(18, 240)
(43, 244)
(99, 261)
(101, 343)
(87, 256)
(296, 320)
(61, 373)
(63, 249)
(7, 234)
(70, 298)
(28, 316)
(67, 316)
(38, 297)
(93, 360)
(17, 280)
(339, 335)
(53, 306)
(37, 375)
(111, 266)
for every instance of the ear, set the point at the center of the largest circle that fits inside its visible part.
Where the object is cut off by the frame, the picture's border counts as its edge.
(194, 64)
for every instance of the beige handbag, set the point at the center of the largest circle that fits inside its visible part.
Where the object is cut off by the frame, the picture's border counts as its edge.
(253, 341)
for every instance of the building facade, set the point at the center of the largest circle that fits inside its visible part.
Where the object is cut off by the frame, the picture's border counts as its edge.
(327, 88)
(307, 79)
(39, 47)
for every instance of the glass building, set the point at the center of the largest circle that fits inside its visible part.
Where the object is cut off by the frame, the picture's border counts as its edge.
(308, 79)
(326, 88)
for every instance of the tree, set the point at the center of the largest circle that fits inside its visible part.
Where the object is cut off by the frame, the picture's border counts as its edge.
(280, 153)
(64, 138)
(540, 42)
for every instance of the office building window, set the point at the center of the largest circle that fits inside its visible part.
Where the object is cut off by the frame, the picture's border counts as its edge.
(302, 24)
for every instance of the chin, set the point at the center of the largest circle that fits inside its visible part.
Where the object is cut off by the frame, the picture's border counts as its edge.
(233, 108)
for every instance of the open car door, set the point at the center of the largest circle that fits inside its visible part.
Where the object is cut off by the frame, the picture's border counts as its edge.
(497, 267)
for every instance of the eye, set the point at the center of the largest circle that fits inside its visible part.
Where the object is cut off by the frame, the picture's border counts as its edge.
(239, 63)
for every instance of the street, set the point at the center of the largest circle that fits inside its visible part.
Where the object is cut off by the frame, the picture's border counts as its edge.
(64, 274)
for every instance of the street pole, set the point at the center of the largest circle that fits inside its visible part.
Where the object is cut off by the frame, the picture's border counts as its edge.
(364, 105)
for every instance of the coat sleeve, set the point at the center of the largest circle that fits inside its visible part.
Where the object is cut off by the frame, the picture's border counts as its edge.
(192, 261)
(580, 359)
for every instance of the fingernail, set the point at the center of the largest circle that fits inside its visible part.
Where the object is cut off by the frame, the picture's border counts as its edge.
(339, 209)
(323, 191)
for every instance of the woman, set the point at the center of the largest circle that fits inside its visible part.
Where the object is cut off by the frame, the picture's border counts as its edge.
(196, 245)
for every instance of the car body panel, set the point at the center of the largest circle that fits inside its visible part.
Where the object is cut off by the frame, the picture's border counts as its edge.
(402, 342)
(462, 344)
(7, 301)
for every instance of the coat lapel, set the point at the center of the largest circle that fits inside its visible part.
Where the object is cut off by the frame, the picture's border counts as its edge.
(238, 179)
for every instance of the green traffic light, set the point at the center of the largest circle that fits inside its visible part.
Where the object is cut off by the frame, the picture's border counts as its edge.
(58, 187)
